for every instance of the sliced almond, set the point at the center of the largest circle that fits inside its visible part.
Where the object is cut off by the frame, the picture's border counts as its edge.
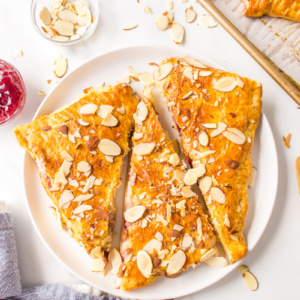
(152, 245)
(253, 175)
(176, 263)
(116, 260)
(81, 198)
(178, 227)
(169, 212)
(194, 62)
(109, 158)
(83, 166)
(110, 121)
(59, 181)
(170, 16)
(192, 175)
(209, 125)
(147, 10)
(18, 53)
(83, 123)
(134, 213)
(217, 262)
(190, 15)
(199, 227)
(104, 110)
(177, 33)
(209, 254)
(242, 269)
(65, 198)
(164, 70)
(129, 26)
(187, 192)
(60, 66)
(41, 93)
(67, 15)
(217, 195)
(205, 73)
(132, 72)
(64, 28)
(65, 167)
(225, 84)
(174, 159)
(121, 110)
(144, 148)
(187, 96)
(205, 184)
(82, 208)
(98, 265)
(235, 135)
(110, 148)
(240, 82)
(169, 5)
(61, 38)
(250, 281)
(45, 16)
(196, 154)
(162, 22)
(203, 139)
(142, 111)
(89, 184)
(65, 155)
(125, 80)
(207, 21)
(138, 135)
(179, 175)
(146, 78)
(144, 263)
(187, 241)
(221, 127)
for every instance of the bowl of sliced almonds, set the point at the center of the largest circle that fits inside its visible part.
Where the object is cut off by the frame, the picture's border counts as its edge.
(65, 22)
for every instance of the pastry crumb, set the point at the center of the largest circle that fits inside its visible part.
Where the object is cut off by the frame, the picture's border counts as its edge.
(41, 93)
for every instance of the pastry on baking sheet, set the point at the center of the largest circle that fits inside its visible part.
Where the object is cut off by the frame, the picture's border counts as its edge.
(165, 229)
(216, 113)
(287, 9)
(79, 153)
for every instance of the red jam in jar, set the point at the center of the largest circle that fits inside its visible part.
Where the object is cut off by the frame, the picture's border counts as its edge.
(12, 92)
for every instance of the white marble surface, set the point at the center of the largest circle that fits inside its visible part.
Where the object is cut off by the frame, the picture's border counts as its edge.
(275, 260)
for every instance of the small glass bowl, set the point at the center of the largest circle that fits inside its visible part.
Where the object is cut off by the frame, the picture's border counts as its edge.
(11, 76)
(37, 6)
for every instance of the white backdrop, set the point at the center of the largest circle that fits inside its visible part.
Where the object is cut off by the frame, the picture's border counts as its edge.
(275, 261)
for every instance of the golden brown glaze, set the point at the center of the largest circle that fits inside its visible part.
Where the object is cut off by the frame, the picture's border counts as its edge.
(44, 140)
(152, 184)
(287, 9)
(229, 166)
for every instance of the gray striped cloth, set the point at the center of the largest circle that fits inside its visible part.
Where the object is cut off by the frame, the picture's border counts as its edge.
(10, 285)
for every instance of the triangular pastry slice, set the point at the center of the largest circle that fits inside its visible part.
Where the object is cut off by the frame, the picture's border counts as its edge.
(79, 153)
(165, 229)
(216, 113)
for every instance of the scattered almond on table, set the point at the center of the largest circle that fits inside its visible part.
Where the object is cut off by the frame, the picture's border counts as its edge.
(286, 140)
(60, 66)
(249, 279)
(19, 53)
(207, 21)
(190, 15)
(67, 20)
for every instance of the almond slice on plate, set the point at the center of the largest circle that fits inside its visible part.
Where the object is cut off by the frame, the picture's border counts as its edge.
(129, 26)
(144, 263)
(190, 15)
(163, 71)
(217, 262)
(147, 9)
(109, 148)
(60, 66)
(110, 121)
(194, 62)
(177, 33)
(144, 148)
(217, 195)
(176, 263)
(116, 260)
(146, 78)
(209, 254)
(162, 22)
(225, 84)
(134, 213)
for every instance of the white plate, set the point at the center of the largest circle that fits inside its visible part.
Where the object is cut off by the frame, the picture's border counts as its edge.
(106, 68)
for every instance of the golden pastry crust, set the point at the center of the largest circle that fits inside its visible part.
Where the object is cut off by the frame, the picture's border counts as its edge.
(228, 165)
(152, 184)
(287, 9)
(62, 141)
